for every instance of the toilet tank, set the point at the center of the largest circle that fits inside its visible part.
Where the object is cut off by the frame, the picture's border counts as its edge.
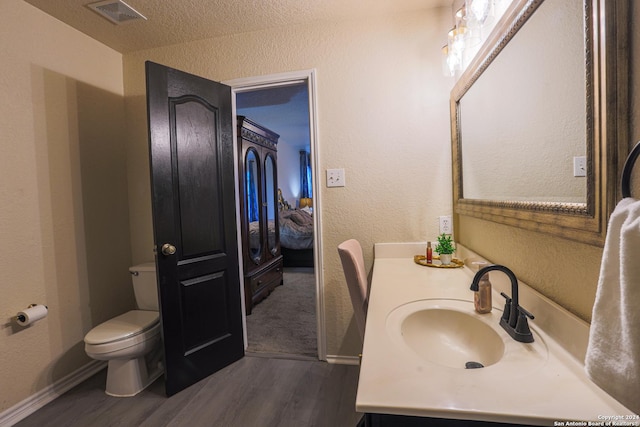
(145, 286)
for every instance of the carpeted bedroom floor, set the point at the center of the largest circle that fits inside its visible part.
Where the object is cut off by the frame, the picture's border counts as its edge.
(285, 322)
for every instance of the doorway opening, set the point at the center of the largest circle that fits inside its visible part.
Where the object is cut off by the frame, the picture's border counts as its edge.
(289, 322)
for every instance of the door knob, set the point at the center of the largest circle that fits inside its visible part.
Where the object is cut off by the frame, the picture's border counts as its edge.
(168, 249)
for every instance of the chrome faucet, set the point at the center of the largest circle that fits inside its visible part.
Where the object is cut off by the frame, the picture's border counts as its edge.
(514, 317)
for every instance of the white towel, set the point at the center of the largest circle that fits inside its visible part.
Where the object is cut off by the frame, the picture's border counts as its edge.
(613, 354)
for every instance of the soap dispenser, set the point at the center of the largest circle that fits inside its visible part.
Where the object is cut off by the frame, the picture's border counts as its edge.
(482, 298)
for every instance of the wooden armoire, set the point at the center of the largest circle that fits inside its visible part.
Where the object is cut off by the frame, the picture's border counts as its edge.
(262, 258)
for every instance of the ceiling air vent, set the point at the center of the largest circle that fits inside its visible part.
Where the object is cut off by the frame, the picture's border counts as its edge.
(116, 11)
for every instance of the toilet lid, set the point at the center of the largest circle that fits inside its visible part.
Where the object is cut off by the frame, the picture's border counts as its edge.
(124, 326)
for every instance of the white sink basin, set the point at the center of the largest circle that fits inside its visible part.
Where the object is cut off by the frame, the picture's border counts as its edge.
(451, 334)
(452, 338)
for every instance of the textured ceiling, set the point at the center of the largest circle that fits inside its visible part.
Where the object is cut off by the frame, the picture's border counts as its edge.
(178, 21)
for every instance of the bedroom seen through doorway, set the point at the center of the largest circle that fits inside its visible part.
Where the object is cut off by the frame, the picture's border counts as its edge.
(280, 320)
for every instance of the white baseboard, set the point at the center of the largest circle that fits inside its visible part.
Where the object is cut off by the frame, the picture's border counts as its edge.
(28, 406)
(343, 360)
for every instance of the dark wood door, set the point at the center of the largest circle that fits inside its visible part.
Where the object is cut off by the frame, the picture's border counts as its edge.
(194, 222)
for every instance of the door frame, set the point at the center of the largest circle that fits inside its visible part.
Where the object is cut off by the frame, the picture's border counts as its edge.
(270, 81)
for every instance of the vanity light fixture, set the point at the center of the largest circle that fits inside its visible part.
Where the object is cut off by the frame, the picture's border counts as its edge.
(447, 65)
(453, 50)
(473, 24)
(461, 14)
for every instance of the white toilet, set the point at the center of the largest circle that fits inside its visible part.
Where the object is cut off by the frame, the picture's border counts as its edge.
(131, 341)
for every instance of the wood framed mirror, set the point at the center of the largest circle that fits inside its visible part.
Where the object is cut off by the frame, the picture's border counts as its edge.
(550, 83)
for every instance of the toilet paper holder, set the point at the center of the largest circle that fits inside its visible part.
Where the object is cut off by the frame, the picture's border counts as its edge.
(21, 318)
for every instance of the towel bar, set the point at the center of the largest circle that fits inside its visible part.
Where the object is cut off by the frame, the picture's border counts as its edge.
(626, 171)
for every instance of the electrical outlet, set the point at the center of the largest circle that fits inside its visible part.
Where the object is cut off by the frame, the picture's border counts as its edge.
(446, 225)
(335, 178)
(580, 166)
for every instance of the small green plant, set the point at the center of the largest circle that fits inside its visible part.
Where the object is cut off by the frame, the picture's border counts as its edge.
(445, 245)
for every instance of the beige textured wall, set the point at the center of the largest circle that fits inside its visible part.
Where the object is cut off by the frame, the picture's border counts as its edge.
(63, 205)
(382, 116)
(566, 272)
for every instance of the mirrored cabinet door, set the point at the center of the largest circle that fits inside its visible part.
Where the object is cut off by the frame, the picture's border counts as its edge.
(270, 201)
(253, 204)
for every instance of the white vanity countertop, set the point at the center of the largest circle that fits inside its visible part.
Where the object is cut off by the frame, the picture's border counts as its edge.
(395, 380)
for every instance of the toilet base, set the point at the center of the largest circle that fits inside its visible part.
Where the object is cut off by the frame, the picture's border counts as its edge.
(126, 378)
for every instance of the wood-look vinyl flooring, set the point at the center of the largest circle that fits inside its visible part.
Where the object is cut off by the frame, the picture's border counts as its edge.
(253, 392)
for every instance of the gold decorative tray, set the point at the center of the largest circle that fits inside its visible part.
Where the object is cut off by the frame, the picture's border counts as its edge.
(422, 260)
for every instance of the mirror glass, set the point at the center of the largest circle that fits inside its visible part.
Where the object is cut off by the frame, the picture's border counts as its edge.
(270, 194)
(523, 121)
(537, 116)
(253, 203)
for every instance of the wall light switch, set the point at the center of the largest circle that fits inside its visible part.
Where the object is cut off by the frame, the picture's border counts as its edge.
(580, 166)
(335, 178)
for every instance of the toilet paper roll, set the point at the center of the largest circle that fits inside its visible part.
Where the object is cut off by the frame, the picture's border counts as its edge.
(32, 314)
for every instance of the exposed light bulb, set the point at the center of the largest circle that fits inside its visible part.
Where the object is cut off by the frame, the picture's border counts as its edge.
(479, 9)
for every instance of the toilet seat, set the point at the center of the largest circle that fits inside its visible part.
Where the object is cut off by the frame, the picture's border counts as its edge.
(124, 331)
